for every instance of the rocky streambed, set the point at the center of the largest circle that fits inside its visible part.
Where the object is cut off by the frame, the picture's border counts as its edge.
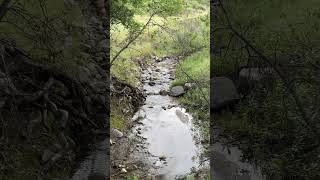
(163, 143)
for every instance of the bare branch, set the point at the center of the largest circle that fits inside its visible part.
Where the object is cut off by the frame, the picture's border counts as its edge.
(288, 85)
(131, 40)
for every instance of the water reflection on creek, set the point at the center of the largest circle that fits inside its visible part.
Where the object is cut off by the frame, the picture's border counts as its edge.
(227, 163)
(169, 136)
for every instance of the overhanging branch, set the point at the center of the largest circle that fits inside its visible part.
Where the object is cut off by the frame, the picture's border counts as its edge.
(132, 39)
(306, 119)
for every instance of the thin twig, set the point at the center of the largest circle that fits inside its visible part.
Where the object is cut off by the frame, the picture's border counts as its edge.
(131, 40)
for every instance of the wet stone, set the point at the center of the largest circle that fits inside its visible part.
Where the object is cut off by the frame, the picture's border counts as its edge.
(171, 106)
(162, 158)
(163, 92)
(116, 133)
(177, 91)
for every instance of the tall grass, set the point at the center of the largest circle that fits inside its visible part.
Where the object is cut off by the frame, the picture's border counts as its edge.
(196, 68)
(163, 37)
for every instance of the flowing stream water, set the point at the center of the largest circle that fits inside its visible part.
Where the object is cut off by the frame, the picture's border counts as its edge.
(167, 128)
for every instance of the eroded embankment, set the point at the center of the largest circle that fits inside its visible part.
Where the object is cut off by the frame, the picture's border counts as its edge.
(95, 162)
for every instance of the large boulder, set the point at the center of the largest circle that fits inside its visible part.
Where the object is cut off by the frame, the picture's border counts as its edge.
(223, 92)
(177, 91)
(248, 77)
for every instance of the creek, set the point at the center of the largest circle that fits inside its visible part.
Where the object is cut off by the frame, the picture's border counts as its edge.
(168, 130)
